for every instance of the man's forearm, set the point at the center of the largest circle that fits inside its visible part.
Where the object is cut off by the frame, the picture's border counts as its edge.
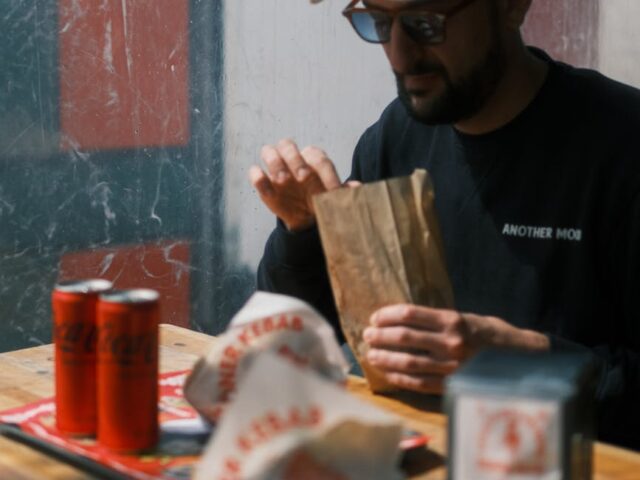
(293, 264)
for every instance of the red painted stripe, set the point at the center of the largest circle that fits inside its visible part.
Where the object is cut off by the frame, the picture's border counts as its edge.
(566, 29)
(123, 73)
(162, 266)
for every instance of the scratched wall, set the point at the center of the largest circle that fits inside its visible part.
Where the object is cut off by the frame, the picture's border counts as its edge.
(619, 40)
(127, 128)
(111, 158)
(568, 30)
(293, 70)
(600, 34)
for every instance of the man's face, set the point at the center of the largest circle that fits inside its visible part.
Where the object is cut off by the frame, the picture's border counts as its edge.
(451, 81)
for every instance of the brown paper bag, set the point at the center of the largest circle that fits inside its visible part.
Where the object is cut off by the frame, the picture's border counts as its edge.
(383, 246)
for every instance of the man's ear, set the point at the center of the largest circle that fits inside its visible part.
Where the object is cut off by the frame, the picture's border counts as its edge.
(516, 12)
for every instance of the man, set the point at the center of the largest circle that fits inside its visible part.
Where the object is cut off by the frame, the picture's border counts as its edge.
(535, 170)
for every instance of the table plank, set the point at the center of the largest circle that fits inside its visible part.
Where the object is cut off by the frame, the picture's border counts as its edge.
(19, 462)
(422, 414)
(27, 375)
(613, 463)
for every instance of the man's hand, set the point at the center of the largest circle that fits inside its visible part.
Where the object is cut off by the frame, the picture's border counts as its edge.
(417, 347)
(292, 177)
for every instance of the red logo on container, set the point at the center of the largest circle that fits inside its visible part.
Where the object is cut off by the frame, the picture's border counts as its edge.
(513, 441)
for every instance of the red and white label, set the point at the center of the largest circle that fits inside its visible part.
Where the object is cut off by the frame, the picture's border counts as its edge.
(507, 439)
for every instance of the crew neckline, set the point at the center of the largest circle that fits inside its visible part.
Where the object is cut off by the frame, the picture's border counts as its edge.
(467, 139)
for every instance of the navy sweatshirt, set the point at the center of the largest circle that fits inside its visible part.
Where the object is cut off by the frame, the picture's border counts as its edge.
(540, 222)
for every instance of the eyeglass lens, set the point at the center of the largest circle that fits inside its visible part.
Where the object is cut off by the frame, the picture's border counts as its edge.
(422, 27)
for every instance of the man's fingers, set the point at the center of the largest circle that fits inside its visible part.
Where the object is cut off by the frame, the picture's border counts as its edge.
(276, 166)
(323, 166)
(419, 383)
(290, 180)
(438, 345)
(403, 338)
(310, 167)
(296, 165)
(410, 363)
(260, 181)
(417, 316)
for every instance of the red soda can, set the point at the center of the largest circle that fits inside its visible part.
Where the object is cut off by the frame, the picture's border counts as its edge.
(128, 369)
(74, 336)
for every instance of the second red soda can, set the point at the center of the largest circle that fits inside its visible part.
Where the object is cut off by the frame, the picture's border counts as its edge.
(128, 370)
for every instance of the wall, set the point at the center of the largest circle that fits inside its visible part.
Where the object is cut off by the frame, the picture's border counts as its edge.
(293, 70)
(619, 40)
(600, 34)
(110, 159)
(297, 70)
(568, 30)
(159, 197)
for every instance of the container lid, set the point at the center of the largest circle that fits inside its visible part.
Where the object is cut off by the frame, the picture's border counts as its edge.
(525, 374)
(92, 285)
(135, 295)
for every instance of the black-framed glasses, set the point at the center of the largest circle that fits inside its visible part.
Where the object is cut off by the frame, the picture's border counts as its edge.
(422, 26)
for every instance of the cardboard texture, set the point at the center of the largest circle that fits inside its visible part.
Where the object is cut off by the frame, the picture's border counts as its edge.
(382, 245)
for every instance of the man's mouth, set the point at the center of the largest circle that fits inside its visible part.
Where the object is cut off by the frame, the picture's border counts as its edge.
(420, 83)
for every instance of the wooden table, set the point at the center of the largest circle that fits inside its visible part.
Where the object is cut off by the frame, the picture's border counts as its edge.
(27, 375)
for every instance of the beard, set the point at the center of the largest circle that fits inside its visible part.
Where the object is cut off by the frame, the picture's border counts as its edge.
(462, 98)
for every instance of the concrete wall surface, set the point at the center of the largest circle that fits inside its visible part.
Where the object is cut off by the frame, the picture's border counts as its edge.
(293, 70)
(619, 40)
(297, 70)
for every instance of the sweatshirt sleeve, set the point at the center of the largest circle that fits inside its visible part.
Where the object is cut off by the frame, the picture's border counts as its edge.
(293, 264)
(618, 393)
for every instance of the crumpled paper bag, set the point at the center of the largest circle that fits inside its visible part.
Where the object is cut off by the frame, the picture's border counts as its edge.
(268, 321)
(383, 246)
(289, 423)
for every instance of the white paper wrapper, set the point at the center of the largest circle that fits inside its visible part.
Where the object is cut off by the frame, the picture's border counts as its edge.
(268, 322)
(288, 423)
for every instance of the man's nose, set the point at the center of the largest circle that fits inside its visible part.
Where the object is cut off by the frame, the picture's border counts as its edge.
(402, 51)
